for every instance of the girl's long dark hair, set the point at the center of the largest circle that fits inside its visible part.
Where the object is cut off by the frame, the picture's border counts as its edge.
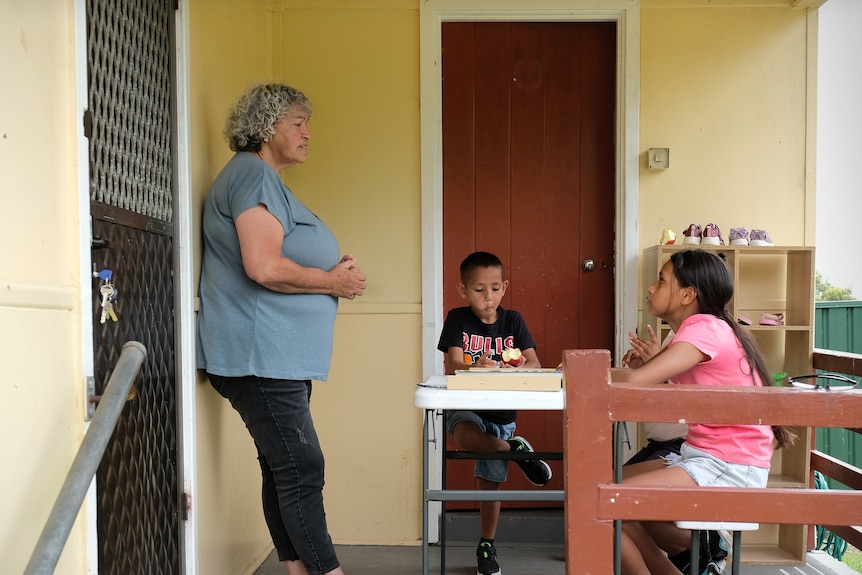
(708, 274)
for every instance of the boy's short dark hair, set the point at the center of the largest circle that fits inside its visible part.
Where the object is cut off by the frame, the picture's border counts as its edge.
(479, 260)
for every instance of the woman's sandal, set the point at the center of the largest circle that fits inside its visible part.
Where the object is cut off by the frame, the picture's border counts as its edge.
(772, 319)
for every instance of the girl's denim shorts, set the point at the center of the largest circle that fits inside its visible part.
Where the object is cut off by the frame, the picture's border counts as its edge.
(710, 471)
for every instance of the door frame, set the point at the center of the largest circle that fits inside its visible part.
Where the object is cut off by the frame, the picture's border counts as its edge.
(432, 14)
(184, 274)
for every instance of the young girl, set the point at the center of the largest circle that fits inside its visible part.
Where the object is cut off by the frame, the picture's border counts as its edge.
(709, 348)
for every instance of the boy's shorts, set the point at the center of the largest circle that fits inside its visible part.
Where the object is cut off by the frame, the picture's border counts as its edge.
(710, 471)
(488, 469)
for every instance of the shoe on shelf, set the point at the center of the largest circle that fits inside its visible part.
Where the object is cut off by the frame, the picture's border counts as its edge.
(759, 238)
(743, 319)
(772, 319)
(738, 236)
(536, 471)
(486, 560)
(712, 236)
(692, 234)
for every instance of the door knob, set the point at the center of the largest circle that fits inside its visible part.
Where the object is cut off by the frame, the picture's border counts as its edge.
(589, 265)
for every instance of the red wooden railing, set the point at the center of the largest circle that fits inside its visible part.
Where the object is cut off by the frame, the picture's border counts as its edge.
(593, 501)
(848, 364)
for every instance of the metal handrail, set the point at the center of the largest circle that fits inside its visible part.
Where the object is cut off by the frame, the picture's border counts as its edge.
(56, 531)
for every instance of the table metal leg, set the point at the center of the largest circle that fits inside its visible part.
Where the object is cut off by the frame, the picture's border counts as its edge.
(695, 551)
(737, 553)
(619, 434)
(425, 487)
(442, 527)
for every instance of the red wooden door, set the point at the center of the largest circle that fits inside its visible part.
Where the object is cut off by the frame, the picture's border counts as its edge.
(528, 174)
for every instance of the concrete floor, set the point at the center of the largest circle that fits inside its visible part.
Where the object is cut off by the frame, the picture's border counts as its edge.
(529, 542)
(460, 560)
(516, 559)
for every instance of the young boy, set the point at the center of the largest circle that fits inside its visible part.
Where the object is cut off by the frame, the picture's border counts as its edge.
(476, 336)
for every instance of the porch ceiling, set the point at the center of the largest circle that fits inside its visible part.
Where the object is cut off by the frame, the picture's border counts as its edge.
(793, 4)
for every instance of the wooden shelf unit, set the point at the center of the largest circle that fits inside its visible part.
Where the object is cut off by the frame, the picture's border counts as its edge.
(778, 279)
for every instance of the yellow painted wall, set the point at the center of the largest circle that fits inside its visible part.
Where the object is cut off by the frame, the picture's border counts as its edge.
(727, 89)
(41, 382)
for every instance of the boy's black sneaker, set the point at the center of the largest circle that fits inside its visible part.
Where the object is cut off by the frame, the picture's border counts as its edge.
(537, 472)
(486, 560)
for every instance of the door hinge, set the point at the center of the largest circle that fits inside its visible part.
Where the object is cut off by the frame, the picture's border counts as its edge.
(90, 391)
(88, 123)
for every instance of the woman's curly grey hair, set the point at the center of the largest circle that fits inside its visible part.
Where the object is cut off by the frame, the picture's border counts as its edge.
(252, 118)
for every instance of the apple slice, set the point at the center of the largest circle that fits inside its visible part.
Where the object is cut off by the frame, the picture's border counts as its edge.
(513, 357)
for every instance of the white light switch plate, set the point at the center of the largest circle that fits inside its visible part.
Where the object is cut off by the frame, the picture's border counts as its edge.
(659, 158)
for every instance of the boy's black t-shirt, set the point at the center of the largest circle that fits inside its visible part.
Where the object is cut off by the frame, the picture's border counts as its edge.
(463, 329)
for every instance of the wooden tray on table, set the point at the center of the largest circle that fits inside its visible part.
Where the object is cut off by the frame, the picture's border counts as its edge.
(500, 379)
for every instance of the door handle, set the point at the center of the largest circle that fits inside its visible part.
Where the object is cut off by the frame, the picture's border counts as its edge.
(589, 265)
(97, 243)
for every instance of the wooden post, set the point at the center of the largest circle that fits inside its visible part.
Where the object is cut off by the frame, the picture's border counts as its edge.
(593, 500)
(588, 461)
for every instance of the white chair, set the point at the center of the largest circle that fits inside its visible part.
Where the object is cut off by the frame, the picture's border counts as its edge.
(697, 526)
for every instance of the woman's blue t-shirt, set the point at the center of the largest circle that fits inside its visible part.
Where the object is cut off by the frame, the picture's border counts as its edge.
(244, 328)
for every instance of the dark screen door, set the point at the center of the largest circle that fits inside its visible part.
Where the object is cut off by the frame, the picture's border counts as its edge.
(130, 126)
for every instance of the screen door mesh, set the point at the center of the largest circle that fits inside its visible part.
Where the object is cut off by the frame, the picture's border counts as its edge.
(130, 129)
(129, 58)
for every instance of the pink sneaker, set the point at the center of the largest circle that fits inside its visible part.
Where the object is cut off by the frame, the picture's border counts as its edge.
(692, 234)
(760, 238)
(712, 236)
(772, 319)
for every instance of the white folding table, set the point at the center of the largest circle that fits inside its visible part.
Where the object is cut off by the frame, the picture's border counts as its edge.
(434, 398)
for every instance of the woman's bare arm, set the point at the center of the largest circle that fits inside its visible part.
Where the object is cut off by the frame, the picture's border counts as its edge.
(260, 238)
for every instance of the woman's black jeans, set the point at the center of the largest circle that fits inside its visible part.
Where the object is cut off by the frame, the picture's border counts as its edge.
(276, 413)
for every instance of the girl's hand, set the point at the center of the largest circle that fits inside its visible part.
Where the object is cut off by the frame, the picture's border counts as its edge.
(642, 350)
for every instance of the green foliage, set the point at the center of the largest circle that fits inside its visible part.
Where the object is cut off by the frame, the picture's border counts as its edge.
(825, 291)
(853, 559)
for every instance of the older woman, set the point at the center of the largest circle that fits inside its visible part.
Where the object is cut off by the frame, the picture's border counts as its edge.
(270, 282)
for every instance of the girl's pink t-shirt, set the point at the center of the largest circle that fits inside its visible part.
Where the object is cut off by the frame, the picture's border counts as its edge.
(727, 365)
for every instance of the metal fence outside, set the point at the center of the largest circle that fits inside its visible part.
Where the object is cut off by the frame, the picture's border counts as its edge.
(838, 327)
